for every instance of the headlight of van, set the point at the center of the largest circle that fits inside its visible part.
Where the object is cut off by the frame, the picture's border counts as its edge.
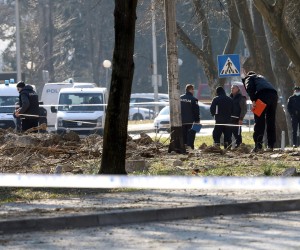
(99, 121)
(59, 122)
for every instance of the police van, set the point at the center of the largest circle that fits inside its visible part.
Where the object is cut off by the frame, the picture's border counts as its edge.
(81, 110)
(9, 95)
(50, 97)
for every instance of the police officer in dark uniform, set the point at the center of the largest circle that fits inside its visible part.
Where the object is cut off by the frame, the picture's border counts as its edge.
(258, 87)
(221, 109)
(29, 106)
(293, 107)
(238, 113)
(189, 114)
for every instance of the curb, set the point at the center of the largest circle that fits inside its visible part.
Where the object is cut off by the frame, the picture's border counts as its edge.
(142, 216)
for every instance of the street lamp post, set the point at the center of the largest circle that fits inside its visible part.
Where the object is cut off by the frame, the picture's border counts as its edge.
(106, 64)
(154, 58)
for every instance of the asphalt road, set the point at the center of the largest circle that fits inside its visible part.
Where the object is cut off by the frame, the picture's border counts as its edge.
(251, 231)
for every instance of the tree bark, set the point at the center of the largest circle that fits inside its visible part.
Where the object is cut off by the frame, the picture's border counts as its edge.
(255, 61)
(115, 130)
(234, 28)
(205, 53)
(274, 15)
(280, 63)
(176, 142)
(260, 33)
(47, 32)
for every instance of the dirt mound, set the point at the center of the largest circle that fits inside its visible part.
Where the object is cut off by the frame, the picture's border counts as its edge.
(52, 153)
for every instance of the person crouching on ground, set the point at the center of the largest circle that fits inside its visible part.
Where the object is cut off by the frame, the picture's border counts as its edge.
(238, 113)
(29, 106)
(221, 108)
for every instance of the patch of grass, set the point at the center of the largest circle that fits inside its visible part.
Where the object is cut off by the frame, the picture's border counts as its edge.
(207, 139)
(29, 194)
(268, 170)
(271, 169)
(161, 168)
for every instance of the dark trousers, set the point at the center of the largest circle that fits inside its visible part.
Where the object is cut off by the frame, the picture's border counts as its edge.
(188, 135)
(236, 132)
(295, 127)
(29, 123)
(226, 131)
(267, 118)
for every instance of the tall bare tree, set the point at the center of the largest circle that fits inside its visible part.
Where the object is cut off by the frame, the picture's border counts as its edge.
(115, 131)
(176, 143)
(260, 59)
(283, 19)
(204, 50)
(46, 41)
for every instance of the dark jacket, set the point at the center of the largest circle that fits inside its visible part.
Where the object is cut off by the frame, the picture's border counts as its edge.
(189, 109)
(29, 102)
(239, 108)
(255, 85)
(293, 105)
(221, 107)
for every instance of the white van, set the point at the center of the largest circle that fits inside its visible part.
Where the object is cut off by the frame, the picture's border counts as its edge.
(81, 110)
(9, 95)
(50, 97)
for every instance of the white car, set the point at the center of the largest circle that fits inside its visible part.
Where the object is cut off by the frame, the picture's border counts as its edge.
(162, 121)
(249, 117)
(137, 113)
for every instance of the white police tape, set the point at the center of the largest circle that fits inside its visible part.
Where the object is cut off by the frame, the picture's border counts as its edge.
(92, 104)
(149, 182)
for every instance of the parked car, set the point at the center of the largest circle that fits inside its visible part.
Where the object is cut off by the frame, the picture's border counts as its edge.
(147, 100)
(162, 121)
(137, 113)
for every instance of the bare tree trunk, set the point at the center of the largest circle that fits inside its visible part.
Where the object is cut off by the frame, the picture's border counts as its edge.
(95, 40)
(205, 54)
(234, 28)
(47, 32)
(255, 61)
(276, 16)
(176, 143)
(115, 130)
(260, 33)
(284, 82)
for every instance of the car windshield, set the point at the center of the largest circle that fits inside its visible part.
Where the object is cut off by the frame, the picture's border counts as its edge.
(85, 102)
(7, 104)
(165, 111)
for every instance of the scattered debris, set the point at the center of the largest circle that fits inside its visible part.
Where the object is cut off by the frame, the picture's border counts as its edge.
(177, 163)
(49, 153)
(290, 172)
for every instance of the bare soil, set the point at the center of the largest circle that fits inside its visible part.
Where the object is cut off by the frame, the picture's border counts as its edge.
(52, 153)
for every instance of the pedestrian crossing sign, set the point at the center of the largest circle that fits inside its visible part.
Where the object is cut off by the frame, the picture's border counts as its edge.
(229, 65)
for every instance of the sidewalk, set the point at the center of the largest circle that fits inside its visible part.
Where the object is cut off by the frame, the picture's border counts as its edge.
(115, 208)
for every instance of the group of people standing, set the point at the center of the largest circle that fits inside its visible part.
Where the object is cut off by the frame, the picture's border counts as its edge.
(226, 110)
(229, 112)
